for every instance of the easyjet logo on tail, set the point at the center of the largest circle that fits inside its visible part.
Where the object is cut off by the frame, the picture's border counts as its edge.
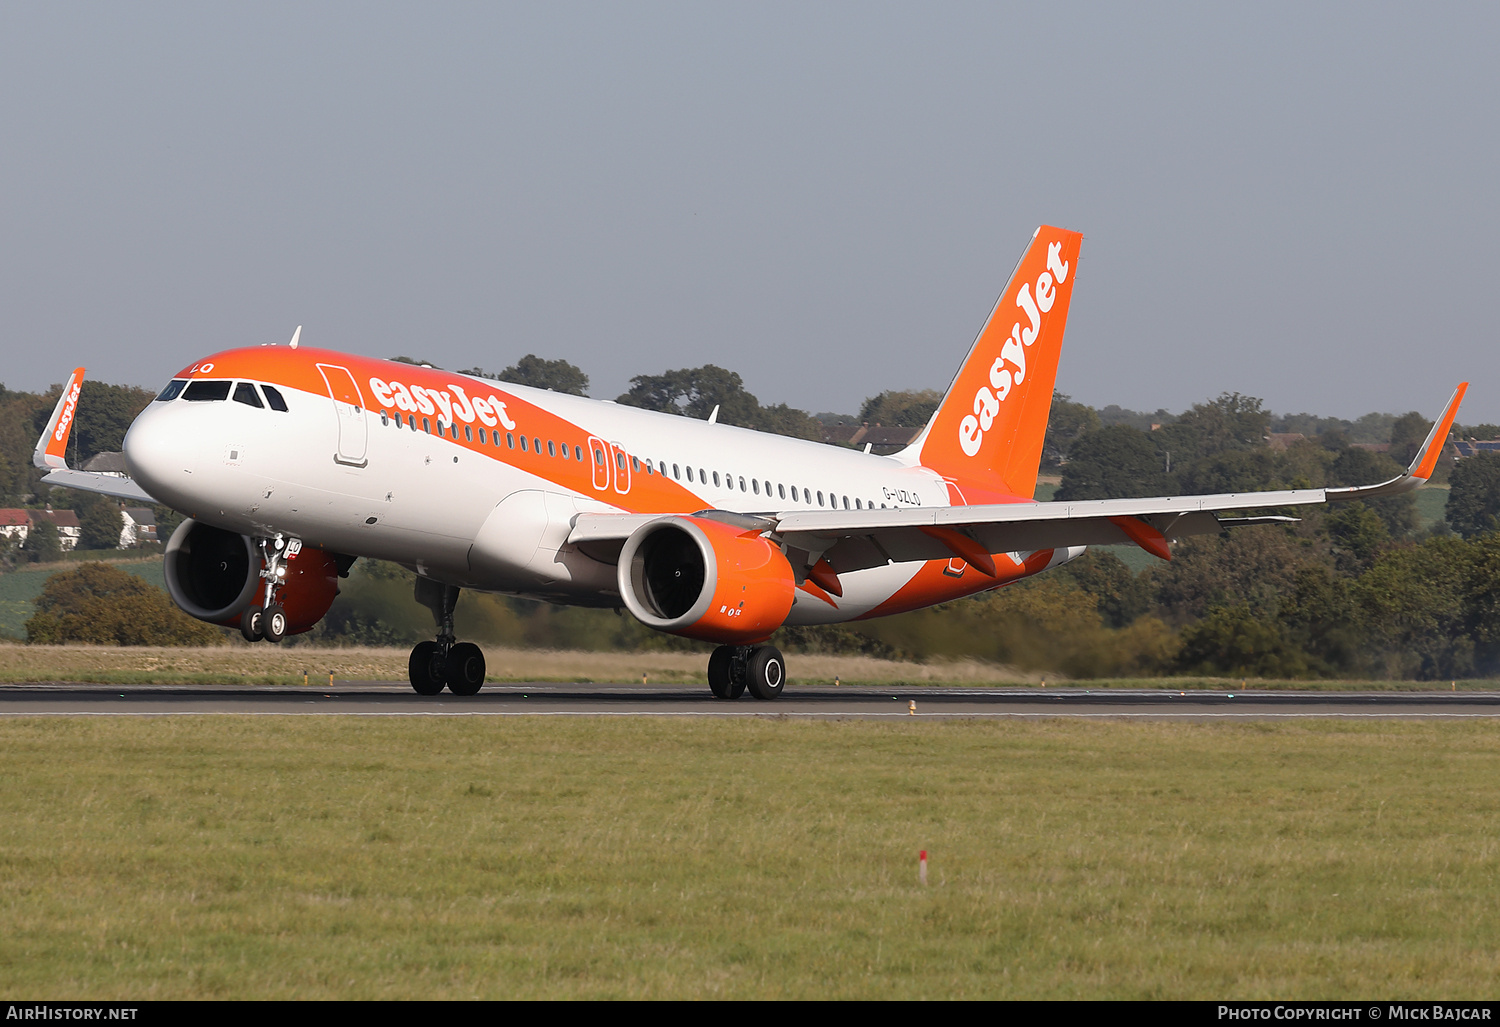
(1009, 368)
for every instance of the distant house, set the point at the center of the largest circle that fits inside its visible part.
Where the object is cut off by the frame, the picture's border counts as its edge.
(880, 439)
(1284, 439)
(66, 522)
(140, 526)
(1469, 447)
(15, 524)
(107, 463)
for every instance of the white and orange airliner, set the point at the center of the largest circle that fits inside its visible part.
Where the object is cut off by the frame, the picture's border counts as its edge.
(291, 462)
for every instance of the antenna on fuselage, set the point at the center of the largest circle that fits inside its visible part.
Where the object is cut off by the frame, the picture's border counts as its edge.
(713, 418)
(295, 336)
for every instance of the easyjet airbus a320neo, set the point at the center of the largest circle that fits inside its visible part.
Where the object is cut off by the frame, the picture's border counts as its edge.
(291, 462)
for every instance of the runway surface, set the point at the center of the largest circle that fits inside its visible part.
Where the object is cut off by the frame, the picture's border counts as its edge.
(378, 698)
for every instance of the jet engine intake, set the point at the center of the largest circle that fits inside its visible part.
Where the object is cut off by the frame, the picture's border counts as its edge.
(214, 575)
(705, 579)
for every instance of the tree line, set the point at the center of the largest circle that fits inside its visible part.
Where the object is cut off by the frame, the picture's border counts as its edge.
(1359, 589)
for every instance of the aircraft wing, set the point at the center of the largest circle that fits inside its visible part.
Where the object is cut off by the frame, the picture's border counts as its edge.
(851, 540)
(52, 449)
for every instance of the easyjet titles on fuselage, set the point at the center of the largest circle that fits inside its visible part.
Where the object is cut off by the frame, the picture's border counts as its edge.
(489, 410)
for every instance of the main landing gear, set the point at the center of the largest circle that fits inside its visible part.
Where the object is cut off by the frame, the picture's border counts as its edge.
(734, 668)
(268, 620)
(459, 666)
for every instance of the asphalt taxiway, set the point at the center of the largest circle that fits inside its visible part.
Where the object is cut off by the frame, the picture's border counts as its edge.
(377, 698)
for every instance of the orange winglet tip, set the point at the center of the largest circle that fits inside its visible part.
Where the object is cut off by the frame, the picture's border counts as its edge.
(1439, 437)
(965, 548)
(1143, 535)
(825, 577)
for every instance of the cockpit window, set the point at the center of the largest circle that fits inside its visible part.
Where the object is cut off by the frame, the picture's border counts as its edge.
(244, 393)
(206, 391)
(172, 391)
(273, 397)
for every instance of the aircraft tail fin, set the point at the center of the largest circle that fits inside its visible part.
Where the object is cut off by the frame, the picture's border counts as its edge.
(991, 424)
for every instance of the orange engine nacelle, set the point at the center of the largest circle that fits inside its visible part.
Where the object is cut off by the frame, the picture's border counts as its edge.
(706, 579)
(214, 575)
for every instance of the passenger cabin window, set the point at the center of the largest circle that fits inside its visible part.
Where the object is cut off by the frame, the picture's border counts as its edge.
(172, 391)
(551, 448)
(578, 453)
(523, 443)
(273, 397)
(468, 434)
(245, 393)
(206, 392)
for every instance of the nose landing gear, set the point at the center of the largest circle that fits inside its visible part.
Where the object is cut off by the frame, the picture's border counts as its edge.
(734, 668)
(268, 620)
(445, 662)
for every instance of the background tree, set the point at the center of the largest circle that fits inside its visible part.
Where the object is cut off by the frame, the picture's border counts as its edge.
(1065, 424)
(1116, 462)
(43, 544)
(1407, 435)
(911, 409)
(105, 413)
(99, 523)
(99, 604)
(533, 371)
(1354, 466)
(1231, 422)
(1474, 494)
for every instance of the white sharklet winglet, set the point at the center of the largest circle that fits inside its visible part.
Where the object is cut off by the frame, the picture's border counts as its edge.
(1422, 464)
(52, 448)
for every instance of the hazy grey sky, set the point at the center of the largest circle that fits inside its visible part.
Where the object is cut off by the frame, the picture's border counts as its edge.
(1293, 201)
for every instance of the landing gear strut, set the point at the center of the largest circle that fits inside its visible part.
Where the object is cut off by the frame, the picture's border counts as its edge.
(734, 668)
(445, 662)
(268, 620)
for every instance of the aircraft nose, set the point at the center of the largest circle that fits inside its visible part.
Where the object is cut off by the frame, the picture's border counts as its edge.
(155, 454)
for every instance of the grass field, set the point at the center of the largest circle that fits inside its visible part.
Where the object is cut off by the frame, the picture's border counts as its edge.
(270, 665)
(313, 857)
(241, 665)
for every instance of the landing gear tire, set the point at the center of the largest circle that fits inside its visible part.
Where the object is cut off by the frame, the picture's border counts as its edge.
(425, 669)
(722, 680)
(765, 672)
(250, 624)
(464, 669)
(273, 623)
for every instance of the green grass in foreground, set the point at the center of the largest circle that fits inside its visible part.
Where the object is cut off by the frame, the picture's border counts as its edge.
(320, 857)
